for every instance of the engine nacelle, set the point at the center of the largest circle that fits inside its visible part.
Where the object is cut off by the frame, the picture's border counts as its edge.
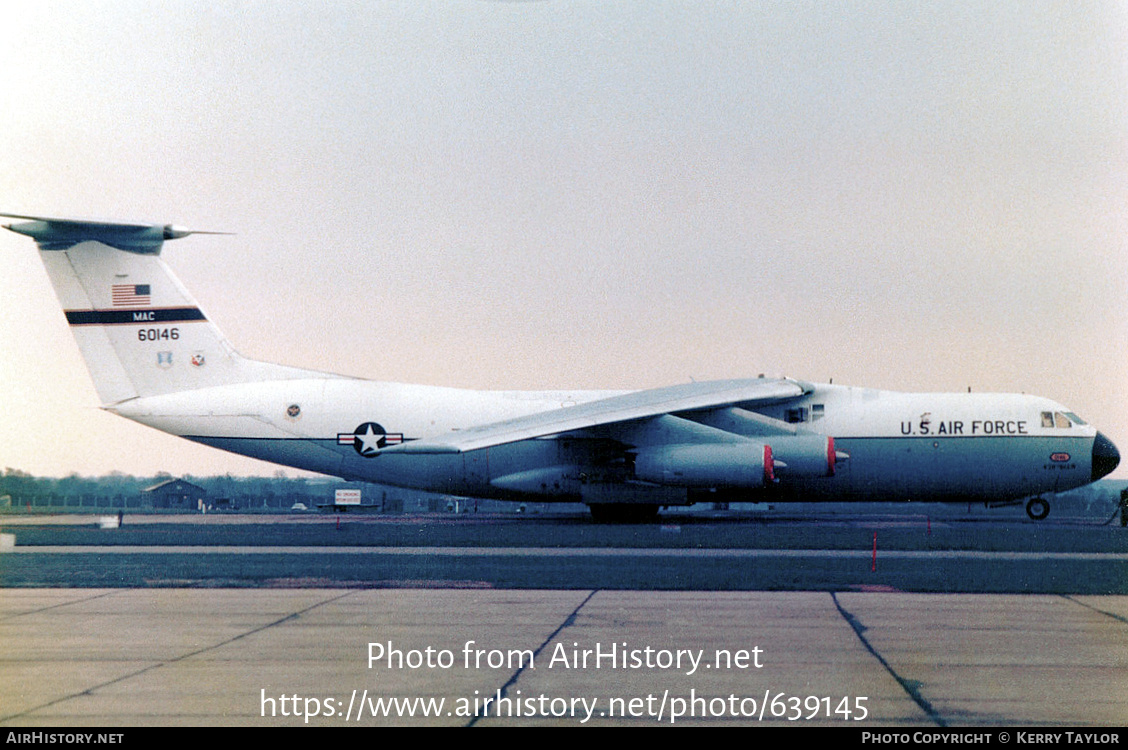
(805, 456)
(746, 465)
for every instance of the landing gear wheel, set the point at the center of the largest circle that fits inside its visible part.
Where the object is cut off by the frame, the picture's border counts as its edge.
(624, 513)
(1037, 509)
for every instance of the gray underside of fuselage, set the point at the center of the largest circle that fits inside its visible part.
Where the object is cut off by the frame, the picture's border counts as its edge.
(878, 469)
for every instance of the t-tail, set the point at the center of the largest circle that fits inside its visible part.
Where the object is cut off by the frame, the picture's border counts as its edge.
(140, 332)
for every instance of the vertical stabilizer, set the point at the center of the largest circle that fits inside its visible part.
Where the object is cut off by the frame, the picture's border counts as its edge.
(140, 332)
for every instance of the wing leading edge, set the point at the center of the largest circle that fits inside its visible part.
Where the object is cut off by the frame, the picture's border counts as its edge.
(688, 397)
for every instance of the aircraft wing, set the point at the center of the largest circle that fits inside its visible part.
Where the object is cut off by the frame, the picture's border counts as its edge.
(688, 397)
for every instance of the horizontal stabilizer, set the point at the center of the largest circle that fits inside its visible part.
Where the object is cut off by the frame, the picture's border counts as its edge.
(59, 234)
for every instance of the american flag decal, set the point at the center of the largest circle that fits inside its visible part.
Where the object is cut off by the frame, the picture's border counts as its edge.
(130, 295)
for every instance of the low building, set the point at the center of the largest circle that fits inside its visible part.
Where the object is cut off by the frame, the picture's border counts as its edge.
(175, 493)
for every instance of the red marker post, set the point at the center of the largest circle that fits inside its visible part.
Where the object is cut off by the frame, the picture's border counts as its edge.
(873, 568)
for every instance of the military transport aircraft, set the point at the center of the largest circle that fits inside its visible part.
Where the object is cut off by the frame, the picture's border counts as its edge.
(157, 359)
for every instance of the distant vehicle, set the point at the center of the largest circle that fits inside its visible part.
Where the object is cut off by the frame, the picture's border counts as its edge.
(298, 507)
(157, 359)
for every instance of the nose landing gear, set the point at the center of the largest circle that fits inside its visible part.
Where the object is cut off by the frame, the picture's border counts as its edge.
(1037, 508)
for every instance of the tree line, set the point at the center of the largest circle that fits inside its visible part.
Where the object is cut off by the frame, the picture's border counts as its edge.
(123, 491)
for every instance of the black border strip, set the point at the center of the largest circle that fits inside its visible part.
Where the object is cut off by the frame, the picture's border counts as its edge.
(142, 316)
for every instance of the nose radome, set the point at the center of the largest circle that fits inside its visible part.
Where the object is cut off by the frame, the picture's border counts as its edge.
(1105, 456)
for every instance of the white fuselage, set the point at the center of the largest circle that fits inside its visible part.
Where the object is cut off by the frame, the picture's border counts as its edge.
(900, 445)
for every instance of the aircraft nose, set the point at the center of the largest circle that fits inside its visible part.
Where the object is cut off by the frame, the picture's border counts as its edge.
(1105, 456)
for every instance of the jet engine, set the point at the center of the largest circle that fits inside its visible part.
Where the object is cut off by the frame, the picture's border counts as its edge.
(805, 456)
(744, 464)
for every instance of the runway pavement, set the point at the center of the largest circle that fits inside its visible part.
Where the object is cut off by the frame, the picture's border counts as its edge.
(489, 624)
(126, 657)
(726, 553)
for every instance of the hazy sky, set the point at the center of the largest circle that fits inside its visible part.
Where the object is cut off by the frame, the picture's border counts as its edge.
(536, 195)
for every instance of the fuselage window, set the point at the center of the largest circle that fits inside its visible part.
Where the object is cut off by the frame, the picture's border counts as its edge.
(798, 414)
(817, 412)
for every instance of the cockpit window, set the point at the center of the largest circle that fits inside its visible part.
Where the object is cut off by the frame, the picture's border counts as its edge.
(1060, 420)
